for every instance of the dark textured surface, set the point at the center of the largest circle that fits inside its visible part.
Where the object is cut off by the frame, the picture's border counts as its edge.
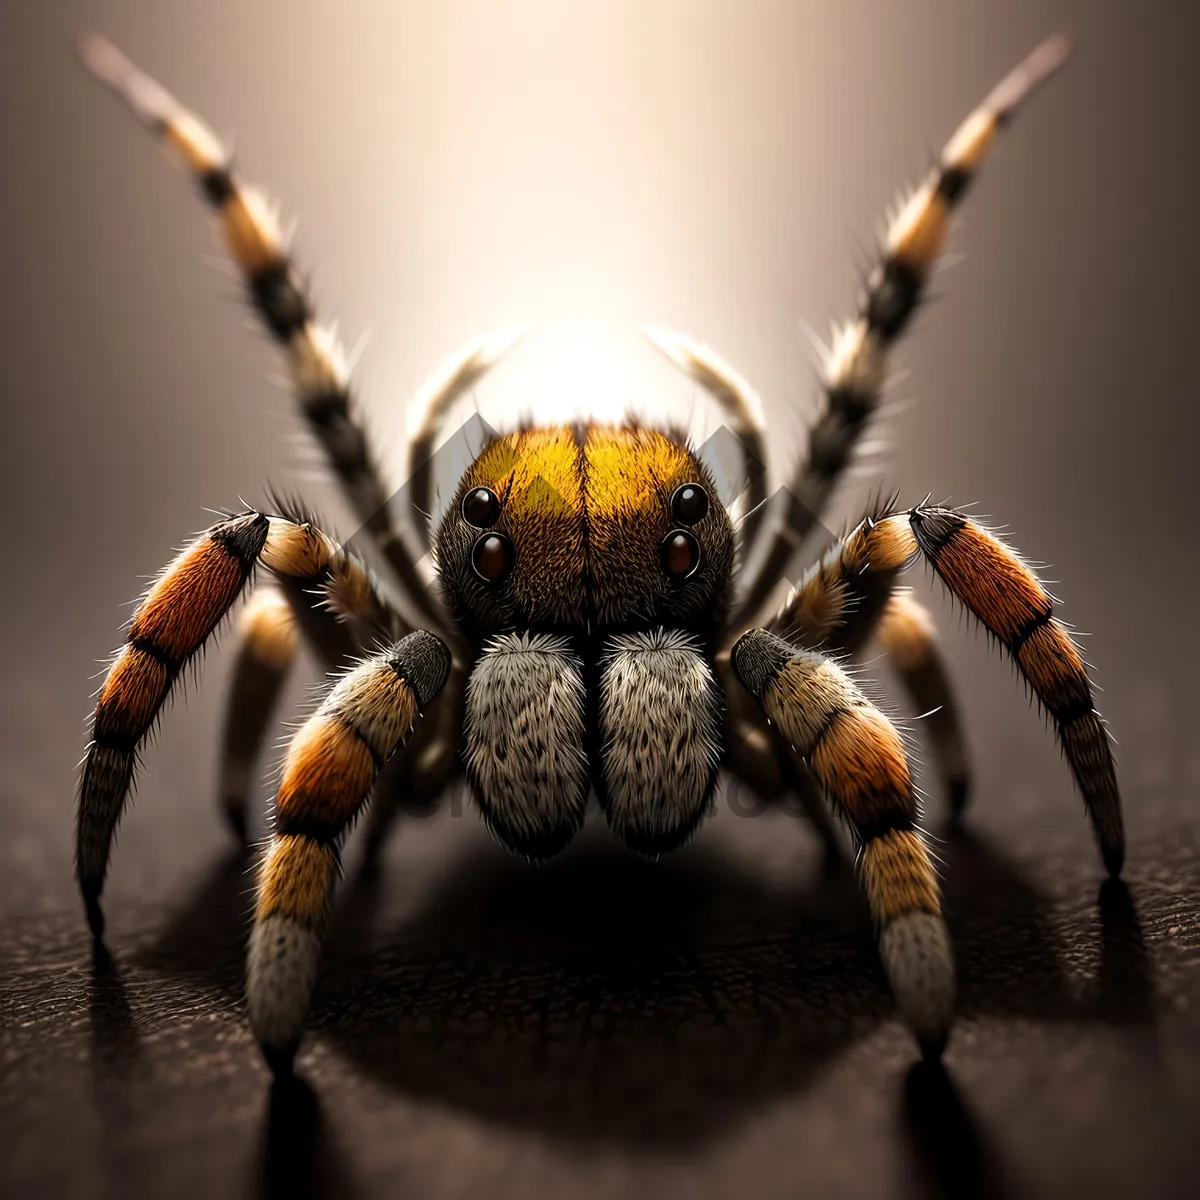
(716, 1025)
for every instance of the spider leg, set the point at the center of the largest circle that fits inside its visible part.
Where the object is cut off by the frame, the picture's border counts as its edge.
(428, 412)
(340, 612)
(171, 623)
(859, 759)
(268, 646)
(857, 366)
(842, 598)
(991, 580)
(848, 596)
(906, 631)
(740, 404)
(420, 776)
(315, 361)
(755, 756)
(330, 769)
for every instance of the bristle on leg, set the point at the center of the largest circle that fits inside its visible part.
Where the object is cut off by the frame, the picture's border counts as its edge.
(1006, 596)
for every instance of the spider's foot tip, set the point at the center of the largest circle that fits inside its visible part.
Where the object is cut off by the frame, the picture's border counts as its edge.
(95, 914)
(281, 1059)
(933, 1045)
(1114, 858)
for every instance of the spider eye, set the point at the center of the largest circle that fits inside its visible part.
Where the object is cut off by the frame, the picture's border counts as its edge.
(680, 554)
(480, 507)
(689, 504)
(493, 556)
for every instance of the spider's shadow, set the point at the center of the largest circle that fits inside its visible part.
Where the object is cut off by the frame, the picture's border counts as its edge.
(606, 999)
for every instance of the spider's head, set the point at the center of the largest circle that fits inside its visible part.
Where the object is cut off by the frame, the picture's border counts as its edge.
(586, 528)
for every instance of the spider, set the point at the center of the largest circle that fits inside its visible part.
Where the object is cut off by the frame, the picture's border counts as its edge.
(590, 631)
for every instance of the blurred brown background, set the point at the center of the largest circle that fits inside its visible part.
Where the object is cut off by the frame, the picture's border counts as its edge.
(710, 166)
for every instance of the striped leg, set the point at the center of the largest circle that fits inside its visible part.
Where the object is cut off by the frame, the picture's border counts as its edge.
(172, 622)
(849, 596)
(332, 599)
(993, 582)
(859, 760)
(429, 765)
(314, 358)
(330, 769)
(857, 366)
(832, 604)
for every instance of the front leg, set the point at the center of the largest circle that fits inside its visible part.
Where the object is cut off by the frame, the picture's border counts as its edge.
(329, 771)
(859, 759)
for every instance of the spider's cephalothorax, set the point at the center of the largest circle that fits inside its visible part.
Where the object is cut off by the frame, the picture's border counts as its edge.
(589, 633)
(587, 530)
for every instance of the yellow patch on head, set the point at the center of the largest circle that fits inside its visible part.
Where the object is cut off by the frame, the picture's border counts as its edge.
(537, 477)
(631, 474)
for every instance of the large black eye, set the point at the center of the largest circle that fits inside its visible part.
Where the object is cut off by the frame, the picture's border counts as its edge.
(480, 507)
(492, 557)
(689, 504)
(680, 554)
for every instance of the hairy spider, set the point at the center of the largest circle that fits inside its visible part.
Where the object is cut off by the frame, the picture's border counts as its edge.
(590, 632)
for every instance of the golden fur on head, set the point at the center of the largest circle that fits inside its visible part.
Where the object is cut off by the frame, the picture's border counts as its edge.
(586, 510)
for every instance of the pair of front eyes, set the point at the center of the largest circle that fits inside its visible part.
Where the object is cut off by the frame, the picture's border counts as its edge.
(493, 554)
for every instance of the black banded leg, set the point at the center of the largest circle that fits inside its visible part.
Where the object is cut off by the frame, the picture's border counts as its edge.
(171, 623)
(753, 755)
(859, 760)
(859, 362)
(659, 725)
(429, 766)
(315, 361)
(330, 769)
(838, 603)
(1005, 595)
(524, 740)
(849, 597)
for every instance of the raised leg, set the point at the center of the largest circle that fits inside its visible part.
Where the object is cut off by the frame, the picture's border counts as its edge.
(858, 364)
(859, 760)
(315, 361)
(330, 769)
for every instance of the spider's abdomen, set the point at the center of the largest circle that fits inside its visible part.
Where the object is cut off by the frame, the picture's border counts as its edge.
(575, 529)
